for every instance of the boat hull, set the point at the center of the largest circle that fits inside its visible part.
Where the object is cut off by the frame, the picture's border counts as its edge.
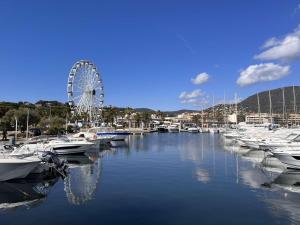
(16, 168)
(291, 161)
(71, 149)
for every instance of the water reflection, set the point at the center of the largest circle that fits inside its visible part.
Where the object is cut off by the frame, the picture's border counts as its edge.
(202, 175)
(278, 188)
(164, 172)
(289, 180)
(81, 183)
(288, 198)
(28, 193)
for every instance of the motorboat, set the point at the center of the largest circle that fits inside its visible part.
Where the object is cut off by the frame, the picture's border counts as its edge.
(60, 145)
(69, 146)
(90, 135)
(162, 129)
(214, 129)
(110, 132)
(291, 158)
(12, 167)
(291, 140)
(193, 130)
(173, 128)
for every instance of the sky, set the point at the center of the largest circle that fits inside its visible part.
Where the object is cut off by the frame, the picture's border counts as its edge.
(165, 55)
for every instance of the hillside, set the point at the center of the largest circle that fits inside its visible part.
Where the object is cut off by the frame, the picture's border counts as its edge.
(250, 103)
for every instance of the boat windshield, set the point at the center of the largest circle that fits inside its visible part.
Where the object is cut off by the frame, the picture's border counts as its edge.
(297, 139)
(291, 136)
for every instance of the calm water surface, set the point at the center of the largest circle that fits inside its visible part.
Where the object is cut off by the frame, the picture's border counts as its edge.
(157, 179)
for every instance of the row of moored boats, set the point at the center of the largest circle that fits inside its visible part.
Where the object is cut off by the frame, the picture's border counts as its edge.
(40, 154)
(281, 143)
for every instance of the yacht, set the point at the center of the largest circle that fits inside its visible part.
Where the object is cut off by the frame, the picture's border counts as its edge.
(173, 128)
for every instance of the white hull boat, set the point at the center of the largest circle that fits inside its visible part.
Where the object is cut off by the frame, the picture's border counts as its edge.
(193, 130)
(109, 132)
(290, 158)
(15, 168)
(173, 129)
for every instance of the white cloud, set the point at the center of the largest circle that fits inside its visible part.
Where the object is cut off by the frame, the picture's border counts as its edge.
(262, 72)
(194, 94)
(195, 98)
(200, 78)
(285, 49)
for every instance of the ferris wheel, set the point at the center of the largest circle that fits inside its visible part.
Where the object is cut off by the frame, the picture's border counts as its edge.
(85, 90)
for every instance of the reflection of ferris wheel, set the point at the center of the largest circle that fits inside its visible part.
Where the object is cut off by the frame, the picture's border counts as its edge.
(81, 183)
(85, 89)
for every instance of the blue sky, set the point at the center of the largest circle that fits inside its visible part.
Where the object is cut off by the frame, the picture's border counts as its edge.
(147, 51)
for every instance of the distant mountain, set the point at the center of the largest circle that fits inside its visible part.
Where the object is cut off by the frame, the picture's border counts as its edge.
(250, 103)
(144, 110)
(169, 113)
(177, 112)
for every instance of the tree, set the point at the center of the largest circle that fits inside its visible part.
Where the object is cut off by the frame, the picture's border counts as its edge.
(54, 125)
(145, 118)
(160, 115)
(109, 115)
(196, 119)
(21, 114)
(137, 118)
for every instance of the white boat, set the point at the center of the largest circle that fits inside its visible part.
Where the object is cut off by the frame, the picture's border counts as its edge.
(193, 130)
(14, 168)
(214, 129)
(61, 145)
(290, 158)
(291, 140)
(91, 135)
(173, 128)
(110, 132)
(69, 146)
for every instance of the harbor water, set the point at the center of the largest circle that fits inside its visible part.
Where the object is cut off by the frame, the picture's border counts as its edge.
(169, 178)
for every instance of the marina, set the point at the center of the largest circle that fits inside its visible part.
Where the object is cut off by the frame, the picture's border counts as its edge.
(150, 112)
(164, 179)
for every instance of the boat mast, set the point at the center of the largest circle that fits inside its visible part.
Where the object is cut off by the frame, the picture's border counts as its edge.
(224, 109)
(202, 120)
(236, 109)
(27, 125)
(270, 101)
(283, 105)
(16, 130)
(294, 104)
(213, 108)
(258, 107)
